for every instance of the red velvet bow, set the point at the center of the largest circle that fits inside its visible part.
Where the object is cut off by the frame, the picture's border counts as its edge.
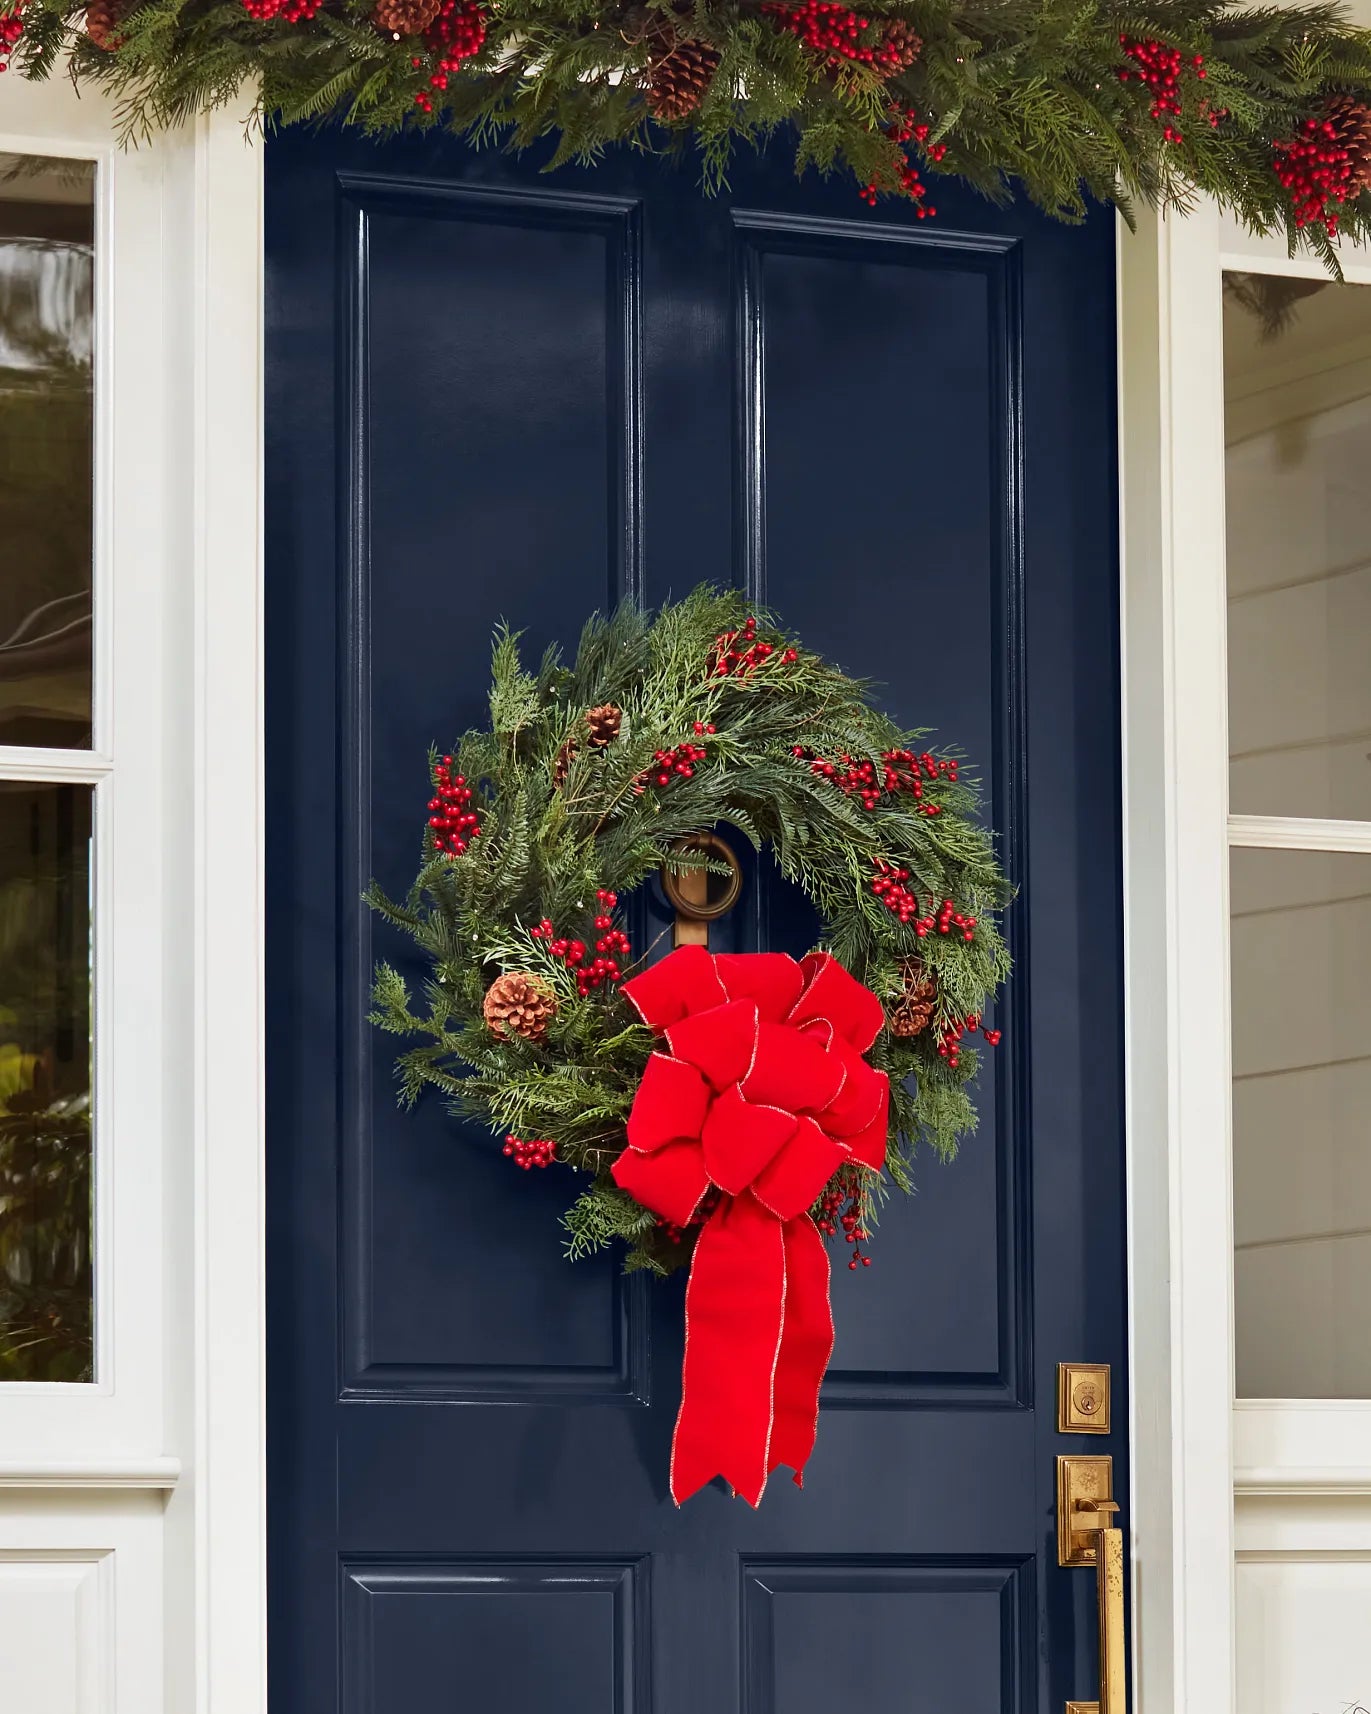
(762, 1093)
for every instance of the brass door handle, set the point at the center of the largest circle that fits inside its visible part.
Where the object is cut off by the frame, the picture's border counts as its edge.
(1088, 1535)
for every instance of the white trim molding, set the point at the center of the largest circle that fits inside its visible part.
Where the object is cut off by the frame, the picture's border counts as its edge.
(1176, 958)
(1290, 833)
(216, 1626)
(1289, 1480)
(101, 1477)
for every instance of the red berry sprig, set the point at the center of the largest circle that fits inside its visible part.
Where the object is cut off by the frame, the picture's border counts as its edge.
(613, 939)
(905, 126)
(668, 765)
(1318, 171)
(1158, 66)
(11, 29)
(536, 1151)
(604, 967)
(288, 11)
(950, 1036)
(453, 822)
(843, 1206)
(901, 771)
(458, 33)
(737, 654)
(888, 884)
(676, 1234)
(889, 887)
(839, 36)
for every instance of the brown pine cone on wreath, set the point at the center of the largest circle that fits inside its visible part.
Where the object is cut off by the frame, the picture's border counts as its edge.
(604, 723)
(911, 1014)
(517, 1004)
(678, 77)
(404, 17)
(561, 763)
(1351, 122)
(900, 47)
(103, 18)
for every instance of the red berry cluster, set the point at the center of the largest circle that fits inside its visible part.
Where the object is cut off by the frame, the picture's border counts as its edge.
(454, 823)
(842, 1206)
(901, 771)
(604, 967)
(737, 653)
(611, 939)
(676, 1234)
(288, 11)
(456, 34)
(1317, 170)
(668, 764)
(1158, 66)
(11, 28)
(950, 1037)
(537, 1151)
(889, 887)
(834, 32)
(906, 127)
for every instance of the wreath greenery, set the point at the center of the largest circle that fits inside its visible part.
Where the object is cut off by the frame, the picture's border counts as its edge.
(588, 780)
(1264, 108)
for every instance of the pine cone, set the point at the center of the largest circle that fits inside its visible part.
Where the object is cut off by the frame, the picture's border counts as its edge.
(405, 17)
(900, 47)
(604, 723)
(519, 1005)
(561, 763)
(103, 18)
(1351, 122)
(678, 78)
(912, 1012)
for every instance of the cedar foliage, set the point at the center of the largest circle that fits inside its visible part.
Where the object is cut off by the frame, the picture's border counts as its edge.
(1019, 93)
(545, 850)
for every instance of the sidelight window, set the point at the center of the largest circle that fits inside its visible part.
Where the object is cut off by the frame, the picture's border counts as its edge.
(53, 772)
(1297, 382)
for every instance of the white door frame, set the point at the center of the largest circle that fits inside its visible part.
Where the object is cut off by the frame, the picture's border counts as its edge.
(1175, 726)
(1175, 770)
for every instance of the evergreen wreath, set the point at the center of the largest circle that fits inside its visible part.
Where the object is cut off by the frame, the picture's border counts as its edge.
(1265, 108)
(590, 779)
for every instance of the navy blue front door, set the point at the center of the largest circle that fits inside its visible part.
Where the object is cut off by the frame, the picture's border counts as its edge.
(494, 394)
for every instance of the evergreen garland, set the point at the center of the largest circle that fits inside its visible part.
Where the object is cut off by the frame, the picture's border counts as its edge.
(1069, 99)
(543, 823)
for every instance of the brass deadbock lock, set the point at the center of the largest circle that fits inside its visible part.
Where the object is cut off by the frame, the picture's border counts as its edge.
(1083, 1398)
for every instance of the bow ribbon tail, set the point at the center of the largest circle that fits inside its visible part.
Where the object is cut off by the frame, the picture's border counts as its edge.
(735, 1311)
(806, 1346)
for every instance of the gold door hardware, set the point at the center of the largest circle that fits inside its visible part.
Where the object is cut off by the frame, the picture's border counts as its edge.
(1083, 1398)
(688, 890)
(1087, 1534)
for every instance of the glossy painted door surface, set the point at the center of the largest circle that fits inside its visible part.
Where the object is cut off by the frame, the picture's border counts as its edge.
(499, 394)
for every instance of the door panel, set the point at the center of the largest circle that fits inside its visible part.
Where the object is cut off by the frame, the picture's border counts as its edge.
(499, 394)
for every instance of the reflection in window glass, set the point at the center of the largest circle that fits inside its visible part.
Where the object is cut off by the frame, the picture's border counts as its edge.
(47, 304)
(1301, 938)
(45, 1077)
(1297, 384)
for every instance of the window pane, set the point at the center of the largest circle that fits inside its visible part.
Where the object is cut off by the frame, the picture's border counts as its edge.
(1297, 382)
(47, 301)
(1302, 1123)
(45, 1103)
